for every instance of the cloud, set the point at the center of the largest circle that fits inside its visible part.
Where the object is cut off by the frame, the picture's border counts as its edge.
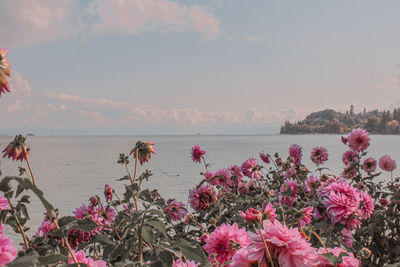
(23, 23)
(253, 39)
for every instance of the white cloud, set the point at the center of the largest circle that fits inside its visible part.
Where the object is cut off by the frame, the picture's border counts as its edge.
(254, 39)
(23, 23)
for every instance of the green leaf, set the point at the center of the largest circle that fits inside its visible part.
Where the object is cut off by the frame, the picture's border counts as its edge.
(191, 251)
(126, 177)
(30, 260)
(53, 259)
(147, 233)
(66, 220)
(103, 239)
(158, 225)
(86, 225)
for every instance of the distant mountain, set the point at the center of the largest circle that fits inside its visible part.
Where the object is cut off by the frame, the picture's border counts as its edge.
(329, 121)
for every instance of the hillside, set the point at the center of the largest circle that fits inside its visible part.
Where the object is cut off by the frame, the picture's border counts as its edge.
(329, 121)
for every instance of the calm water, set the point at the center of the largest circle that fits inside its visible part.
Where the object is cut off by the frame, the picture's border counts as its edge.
(71, 169)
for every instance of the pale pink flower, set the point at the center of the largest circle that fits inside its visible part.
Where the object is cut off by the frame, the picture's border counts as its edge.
(241, 259)
(252, 215)
(175, 210)
(270, 212)
(197, 153)
(349, 157)
(319, 155)
(8, 252)
(359, 140)
(4, 71)
(369, 165)
(286, 244)
(188, 263)
(348, 261)
(367, 206)
(4, 203)
(386, 163)
(264, 158)
(81, 257)
(347, 236)
(251, 169)
(223, 243)
(291, 186)
(295, 153)
(306, 216)
(201, 198)
(108, 192)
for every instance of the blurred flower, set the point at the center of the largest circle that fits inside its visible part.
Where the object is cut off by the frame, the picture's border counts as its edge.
(270, 212)
(15, 149)
(236, 174)
(312, 182)
(4, 71)
(347, 236)
(251, 168)
(45, 228)
(201, 198)
(367, 206)
(306, 216)
(386, 163)
(108, 192)
(286, 245)
(295, 153)
(349, 157)
(264, 158)
(143, 151)
(344, 140)
(222, 177)
(369, 165)
(252, 215)
(4, 203)
(348, 261)
(223, 243)
(94, 201)
(359, 140)
(181, 263)
(8, 252)
(175, 210)
(384, 202)
(81, 257)
(288, 192)
(197, 153)
(319, 155)
(241, 259)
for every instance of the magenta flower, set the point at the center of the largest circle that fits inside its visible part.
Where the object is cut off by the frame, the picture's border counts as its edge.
(8, 252)
(290, 185)
(175, 210)
(312, 183)
(236, 174)
(290, 172)
(252, 215)
(223, 243)
(295, 153)
(188, 263)
(197, 153)
(241, 259)
(341, 201)
(46, 227)
(349, 157)
(251, 169)
(347, 236)
(284, 244)
(386, 163)
(348, 261)
(367, 206)
(108, 192)
(369, 165)
(319, 155)
(344, 140)
(223, 177)
(384, 202)
(264, 158)
(81, 257)
(201, 198)
(270, 212)
(359, 140)
(16, 149)
(4, 71)
(4, 203)
(306, 216)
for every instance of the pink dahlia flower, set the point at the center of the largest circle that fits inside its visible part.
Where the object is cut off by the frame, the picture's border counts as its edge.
(264, 158)
(209, 175)
(201, 198)
(188, 263)
(143, 151)
(8, 252)
(290, 172)
(359, 140)
(108, 192)
(349, 157)
(45, 228)
(252, 215)
(175, 210)
(306, 216)
(384, 202)
(197, 153)
(319, 155)
(223, 243)
(341, 201)
(4, 71)
(312, 183)
(236, 174)
(386, 163)
(348, 261)
(241, 259)
(347, 236)
(223, 177)
(16, 149)
(367, 206)
(270, 212)
(286, 245)
(295, 153)
(4, 203)
(290, 185)
(369, 165)
(251, 169)
(81, 257)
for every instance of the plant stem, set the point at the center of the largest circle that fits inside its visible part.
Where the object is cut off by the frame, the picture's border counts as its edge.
(21, 230)
(136, 164)
(66, 243)
(320, 240)
(127, 171)
(266, 249)
(29, 165)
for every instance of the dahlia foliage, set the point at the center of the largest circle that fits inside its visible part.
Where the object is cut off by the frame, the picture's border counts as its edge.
(265, 212)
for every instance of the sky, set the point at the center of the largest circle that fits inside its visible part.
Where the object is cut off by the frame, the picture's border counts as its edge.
(199, 66)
